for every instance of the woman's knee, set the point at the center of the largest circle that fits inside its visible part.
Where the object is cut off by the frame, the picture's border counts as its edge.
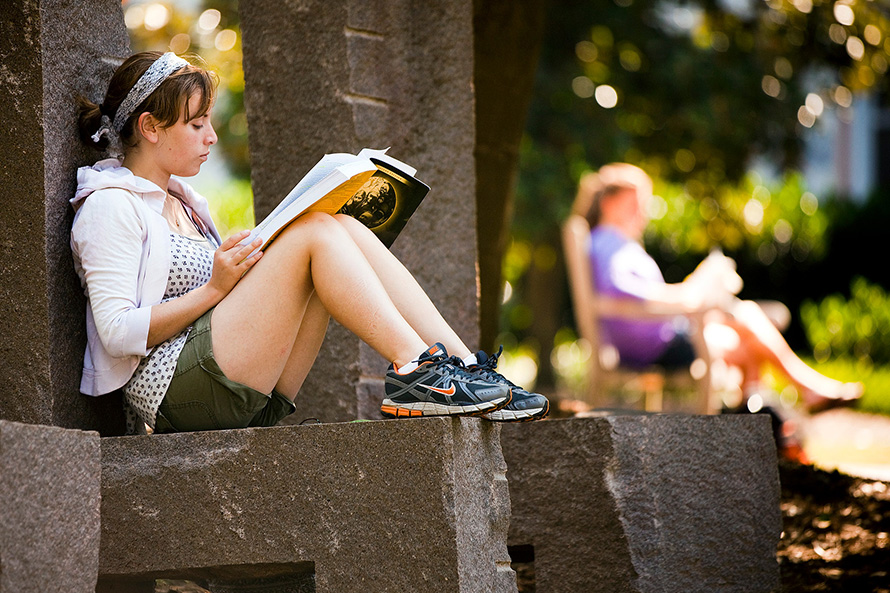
(311, 226)
(355, 228)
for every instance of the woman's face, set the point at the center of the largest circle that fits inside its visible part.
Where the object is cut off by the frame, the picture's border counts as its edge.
(184, 146)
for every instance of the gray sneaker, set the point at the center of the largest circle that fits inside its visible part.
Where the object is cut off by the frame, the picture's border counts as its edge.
(440, 386)
(524, 407)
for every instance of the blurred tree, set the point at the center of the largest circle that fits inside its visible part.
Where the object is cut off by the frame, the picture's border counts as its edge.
(692, 91)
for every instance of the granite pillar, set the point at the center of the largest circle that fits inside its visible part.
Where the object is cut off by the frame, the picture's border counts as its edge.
(50, 51)
(338, 76)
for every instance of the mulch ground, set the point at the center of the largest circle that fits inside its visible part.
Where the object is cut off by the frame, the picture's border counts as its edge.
(836, 532)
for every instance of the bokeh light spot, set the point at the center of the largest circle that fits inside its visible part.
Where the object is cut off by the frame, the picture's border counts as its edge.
(843, 14)
(783, 68)
(180, 43)
(804, 6)
(225, 40)
(606, 96)
(855, 48)
(753, 214)
(586, 51)
(805, 117)
(134, 17)
(872, 34)
(209, 19)
(771, 85)
(685, 160)
(583, 87)
(843, 96)
(156, 16)
(837, 33)
(809, 204)
(815, 104)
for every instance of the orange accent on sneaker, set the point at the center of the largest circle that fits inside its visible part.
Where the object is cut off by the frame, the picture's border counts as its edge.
(400, 412)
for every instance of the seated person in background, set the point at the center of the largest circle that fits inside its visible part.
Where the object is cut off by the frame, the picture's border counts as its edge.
(615, 202)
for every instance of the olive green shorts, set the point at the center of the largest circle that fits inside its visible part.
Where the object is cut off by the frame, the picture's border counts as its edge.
(201, 397)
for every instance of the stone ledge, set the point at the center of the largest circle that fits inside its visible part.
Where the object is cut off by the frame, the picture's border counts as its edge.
(49, 496)
(646, 503)
(418, 505)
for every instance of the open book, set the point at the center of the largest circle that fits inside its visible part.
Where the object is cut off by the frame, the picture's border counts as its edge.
(372, 186)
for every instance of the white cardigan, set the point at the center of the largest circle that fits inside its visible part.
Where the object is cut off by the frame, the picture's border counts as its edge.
(121, 247)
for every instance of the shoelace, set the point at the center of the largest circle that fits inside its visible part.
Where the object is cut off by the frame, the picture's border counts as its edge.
(459, 368)
(488, 368)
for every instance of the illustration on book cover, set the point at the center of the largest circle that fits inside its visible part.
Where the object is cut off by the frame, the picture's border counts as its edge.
(386, 201)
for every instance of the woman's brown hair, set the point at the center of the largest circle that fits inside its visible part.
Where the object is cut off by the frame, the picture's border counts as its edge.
(168, 103)
(608, 181)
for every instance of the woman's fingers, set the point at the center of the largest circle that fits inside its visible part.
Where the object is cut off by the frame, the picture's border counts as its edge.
(233, 240)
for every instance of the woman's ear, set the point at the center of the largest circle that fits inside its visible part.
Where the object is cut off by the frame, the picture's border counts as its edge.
(148, 127)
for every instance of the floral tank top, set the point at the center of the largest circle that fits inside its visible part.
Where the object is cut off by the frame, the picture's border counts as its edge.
(191, 263)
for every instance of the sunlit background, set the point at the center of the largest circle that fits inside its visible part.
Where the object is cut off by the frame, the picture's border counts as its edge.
(765, 125)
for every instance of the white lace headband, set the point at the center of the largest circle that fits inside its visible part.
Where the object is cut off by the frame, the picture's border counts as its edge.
(148, 83)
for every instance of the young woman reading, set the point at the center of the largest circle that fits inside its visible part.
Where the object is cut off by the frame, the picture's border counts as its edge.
(201, 338)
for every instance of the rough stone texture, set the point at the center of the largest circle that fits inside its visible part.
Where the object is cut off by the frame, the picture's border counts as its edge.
(49, 509)
(646, 503)
(368, 506)
(339, 75)
(49, 52)
(508, 36)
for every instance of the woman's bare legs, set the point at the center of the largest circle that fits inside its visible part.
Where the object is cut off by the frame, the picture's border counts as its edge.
(758, 342)
(305, 350)
(255, 327)
(407, 295)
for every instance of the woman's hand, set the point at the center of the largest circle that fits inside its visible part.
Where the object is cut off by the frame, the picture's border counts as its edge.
(230, 262)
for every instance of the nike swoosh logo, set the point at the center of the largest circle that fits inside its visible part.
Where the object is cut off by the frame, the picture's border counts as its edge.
(449, 391)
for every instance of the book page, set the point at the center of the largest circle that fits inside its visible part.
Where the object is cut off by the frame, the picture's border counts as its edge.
(322, 169)
(381, 155)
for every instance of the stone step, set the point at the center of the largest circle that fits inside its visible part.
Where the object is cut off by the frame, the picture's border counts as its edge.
(49, 509)
(419, 505)
(645, 503)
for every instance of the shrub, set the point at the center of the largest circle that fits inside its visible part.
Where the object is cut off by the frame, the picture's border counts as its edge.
(857, 328)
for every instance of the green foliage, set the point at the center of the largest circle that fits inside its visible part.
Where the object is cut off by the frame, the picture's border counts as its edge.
(767, 220)
(876, 378)
(231, 205)
(857, 328)
(689, 90)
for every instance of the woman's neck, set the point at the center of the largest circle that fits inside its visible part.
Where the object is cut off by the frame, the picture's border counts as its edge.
(146, 168)
(621, 227)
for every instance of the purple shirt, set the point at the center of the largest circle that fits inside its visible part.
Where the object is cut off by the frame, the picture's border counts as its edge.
(620, 267)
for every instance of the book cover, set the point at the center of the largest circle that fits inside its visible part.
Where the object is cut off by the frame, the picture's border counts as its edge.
(386, 201)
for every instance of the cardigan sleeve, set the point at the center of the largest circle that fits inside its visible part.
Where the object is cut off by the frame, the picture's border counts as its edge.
(108, 238)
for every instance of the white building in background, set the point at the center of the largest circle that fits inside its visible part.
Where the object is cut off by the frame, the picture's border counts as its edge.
(844, 151)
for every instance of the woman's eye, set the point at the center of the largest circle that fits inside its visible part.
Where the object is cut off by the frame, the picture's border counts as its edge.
(197, 126)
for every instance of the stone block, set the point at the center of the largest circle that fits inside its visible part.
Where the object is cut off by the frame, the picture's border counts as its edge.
(350, 74)
(49, 509)
(50, 51)
(368, 506)
(646, 503)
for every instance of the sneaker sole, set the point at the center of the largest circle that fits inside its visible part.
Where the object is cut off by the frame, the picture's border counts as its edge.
(505, 415)
(391, 409)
